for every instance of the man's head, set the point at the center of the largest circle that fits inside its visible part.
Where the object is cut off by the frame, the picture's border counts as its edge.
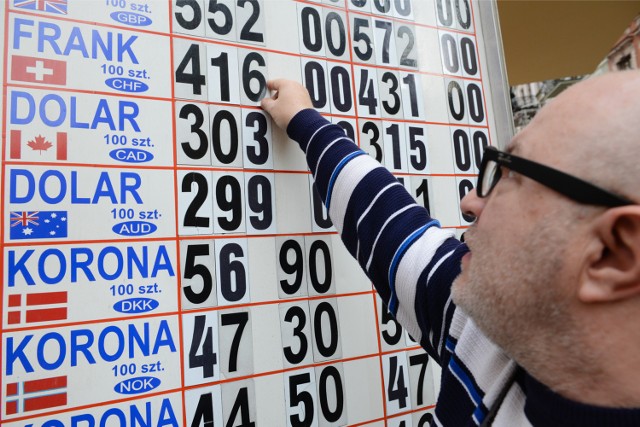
(543, 267)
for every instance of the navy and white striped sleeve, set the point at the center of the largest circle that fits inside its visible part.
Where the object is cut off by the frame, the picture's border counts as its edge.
(409, 258)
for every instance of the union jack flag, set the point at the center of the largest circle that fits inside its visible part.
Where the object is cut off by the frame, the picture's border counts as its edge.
(51, 6)
(24, 218)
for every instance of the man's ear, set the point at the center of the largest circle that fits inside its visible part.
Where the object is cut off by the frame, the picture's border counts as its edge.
(612, 268)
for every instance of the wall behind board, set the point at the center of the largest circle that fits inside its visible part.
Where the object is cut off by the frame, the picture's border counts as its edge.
(553, 39)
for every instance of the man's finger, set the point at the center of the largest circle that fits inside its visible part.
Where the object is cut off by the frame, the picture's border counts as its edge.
(274, 84)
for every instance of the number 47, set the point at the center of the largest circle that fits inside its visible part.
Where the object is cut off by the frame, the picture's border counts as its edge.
(203, 351)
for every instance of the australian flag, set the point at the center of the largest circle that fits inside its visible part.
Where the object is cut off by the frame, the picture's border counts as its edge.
(38, 225)
(51, 6)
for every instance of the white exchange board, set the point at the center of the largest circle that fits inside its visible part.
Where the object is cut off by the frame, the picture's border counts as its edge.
(165, 259)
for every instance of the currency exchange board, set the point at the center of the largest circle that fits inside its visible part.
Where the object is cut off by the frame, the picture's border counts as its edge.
(166, 260)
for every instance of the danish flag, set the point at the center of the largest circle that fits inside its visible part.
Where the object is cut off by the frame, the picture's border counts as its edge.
(37, 307)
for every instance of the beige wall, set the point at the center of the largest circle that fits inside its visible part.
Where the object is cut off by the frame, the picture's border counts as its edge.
(550, 39)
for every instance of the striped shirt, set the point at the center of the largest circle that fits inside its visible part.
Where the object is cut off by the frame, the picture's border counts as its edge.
(412, 263)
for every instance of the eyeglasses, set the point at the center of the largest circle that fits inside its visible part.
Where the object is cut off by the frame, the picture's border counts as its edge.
(568, 185)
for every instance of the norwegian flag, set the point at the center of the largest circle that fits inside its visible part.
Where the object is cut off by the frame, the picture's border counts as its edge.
(38, 70)
(51, 6)
(35, 395)
(37, 307)
(38, 143)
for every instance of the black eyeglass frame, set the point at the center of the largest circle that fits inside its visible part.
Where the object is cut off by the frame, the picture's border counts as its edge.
(568, 185)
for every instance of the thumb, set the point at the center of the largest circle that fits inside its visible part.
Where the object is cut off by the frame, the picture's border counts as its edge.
(267, 104)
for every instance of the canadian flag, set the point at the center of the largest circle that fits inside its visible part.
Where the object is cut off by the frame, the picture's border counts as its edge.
(39, 143)
(38, 70)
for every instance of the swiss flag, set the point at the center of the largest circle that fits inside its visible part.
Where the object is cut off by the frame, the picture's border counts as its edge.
(38, 70)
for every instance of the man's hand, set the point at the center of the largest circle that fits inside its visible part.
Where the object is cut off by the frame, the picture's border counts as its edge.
(288, 99)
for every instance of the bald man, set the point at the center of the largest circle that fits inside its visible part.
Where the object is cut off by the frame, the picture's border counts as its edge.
(535, 319)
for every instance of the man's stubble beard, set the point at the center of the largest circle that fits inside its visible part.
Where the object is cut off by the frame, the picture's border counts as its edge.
(513, 293)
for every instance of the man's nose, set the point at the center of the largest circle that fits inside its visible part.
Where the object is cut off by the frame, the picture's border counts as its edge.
(472, 205)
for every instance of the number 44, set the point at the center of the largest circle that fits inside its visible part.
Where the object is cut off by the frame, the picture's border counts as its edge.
(233, 401)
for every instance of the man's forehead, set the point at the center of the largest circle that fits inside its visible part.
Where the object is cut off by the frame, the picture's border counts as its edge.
(532, 145)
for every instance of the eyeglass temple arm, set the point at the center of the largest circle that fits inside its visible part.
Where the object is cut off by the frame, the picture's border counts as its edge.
(570, 186)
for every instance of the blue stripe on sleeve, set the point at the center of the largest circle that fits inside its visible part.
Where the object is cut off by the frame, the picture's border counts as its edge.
(393, 302)
(337, 171)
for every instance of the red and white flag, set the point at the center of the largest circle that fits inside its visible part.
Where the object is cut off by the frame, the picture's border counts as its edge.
(38, 143)
(38, 70)
(37, 307)
(35, 395)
